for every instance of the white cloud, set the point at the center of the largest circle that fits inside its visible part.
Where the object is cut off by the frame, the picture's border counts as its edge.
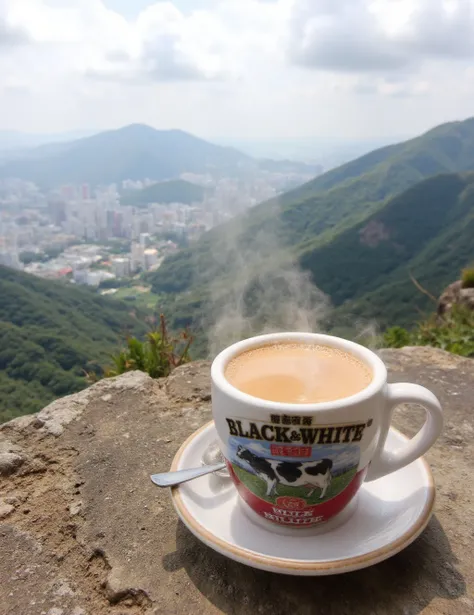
(11, 33)
(164, 45)
(247, 68)
(385, 35)
(342, 35)
(161, 44)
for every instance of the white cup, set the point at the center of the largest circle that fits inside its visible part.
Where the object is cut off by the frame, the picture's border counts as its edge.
(300, 465)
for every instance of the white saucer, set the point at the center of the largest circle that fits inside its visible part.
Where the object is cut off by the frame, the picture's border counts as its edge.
(390, 513)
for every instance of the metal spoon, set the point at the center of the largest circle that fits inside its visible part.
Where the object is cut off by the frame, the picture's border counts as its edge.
(170, 479)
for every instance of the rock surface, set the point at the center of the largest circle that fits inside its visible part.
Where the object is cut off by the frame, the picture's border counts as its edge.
(455, 294)
(85, 532)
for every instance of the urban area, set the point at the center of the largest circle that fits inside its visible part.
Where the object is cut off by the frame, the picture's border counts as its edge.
(86, 235)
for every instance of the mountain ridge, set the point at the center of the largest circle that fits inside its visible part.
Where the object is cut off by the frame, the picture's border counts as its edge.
(132, 152)
(136, 152)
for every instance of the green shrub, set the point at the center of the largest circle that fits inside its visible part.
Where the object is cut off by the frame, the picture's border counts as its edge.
(467, 277)
(453, 332)
(157, 355)
(397, 337)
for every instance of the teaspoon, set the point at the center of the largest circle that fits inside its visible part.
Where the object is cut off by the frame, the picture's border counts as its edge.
(170, 479)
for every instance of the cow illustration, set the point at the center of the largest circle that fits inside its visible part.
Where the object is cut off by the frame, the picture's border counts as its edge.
(311, 474)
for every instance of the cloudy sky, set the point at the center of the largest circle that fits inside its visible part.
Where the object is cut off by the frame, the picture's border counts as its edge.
(237, 68)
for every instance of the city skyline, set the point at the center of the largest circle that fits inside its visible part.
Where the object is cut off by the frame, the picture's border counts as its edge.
(359, 69)
(89, 234)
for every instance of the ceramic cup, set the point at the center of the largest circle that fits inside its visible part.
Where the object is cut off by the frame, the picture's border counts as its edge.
(327, 449)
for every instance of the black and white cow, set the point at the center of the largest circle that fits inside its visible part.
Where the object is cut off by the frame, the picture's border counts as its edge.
(311, 474)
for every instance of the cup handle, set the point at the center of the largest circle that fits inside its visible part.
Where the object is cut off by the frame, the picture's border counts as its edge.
(384, 462)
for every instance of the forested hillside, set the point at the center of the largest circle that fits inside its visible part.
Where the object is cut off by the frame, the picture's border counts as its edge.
(49, 334)
(173, 191)
(413, 232)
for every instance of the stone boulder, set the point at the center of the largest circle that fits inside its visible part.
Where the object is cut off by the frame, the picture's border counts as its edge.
(455, 294)
(83, 530)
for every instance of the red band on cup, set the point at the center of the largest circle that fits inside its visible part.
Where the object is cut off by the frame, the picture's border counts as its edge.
(295, 511)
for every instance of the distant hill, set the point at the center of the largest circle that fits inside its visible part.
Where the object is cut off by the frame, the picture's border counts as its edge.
(133, 152)
(173, 191)
(318, 224)
(50, 333)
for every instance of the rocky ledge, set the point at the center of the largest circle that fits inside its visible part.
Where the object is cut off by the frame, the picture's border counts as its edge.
(85, 532)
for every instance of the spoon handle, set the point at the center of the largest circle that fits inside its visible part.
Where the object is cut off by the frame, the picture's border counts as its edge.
(169, 479)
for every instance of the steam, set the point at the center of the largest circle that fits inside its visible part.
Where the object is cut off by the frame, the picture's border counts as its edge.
(368, 334)
(249, 284)
(256, 287)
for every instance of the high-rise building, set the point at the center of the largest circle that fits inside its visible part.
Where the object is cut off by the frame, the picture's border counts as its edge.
(85, 192)
(145, 239)
(114, 223)
(10, 259)
(68, 193)
(9, 255)
(138, 257)
(80, 276)
(57, 211)
(121, 267)
(150, 258)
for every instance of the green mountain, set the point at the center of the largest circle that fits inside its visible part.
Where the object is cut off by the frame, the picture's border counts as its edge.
(424, 233)
(133, 152)
(173, 191)
(49, 334)
(320, 224)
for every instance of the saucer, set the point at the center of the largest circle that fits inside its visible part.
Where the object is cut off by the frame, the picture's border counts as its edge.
(387, 515)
